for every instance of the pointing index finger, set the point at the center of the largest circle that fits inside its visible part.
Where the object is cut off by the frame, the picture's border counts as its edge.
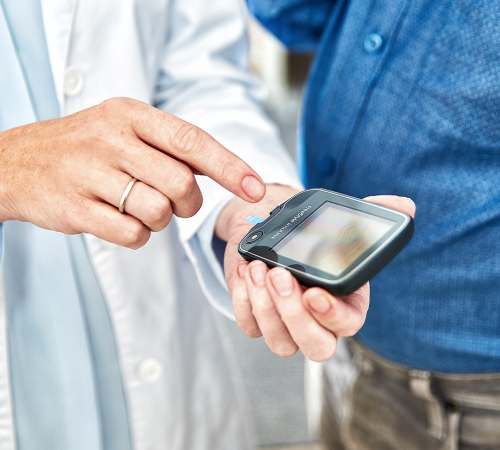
(197, 148)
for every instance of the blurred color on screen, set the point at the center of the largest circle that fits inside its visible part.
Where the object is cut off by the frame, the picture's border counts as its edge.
(333, 237)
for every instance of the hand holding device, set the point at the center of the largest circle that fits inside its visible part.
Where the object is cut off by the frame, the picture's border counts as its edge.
(272, 303)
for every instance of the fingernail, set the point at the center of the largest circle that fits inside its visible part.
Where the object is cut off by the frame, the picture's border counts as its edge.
(282, 282)
(241, 269)
(320, 303)
(253, 187)
(258, 273)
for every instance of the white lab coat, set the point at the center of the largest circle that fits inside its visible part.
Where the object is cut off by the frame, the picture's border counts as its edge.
(187, 57)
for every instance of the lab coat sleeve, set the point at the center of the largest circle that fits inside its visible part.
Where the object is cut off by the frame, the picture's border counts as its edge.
(203, 79)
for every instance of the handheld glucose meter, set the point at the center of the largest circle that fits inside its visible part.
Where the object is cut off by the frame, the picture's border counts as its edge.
(328, 239)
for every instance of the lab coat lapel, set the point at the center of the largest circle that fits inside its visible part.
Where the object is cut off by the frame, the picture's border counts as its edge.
(58, 20)
(13, 89)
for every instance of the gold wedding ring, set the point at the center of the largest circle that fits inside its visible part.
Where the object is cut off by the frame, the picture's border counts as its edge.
(125, 194)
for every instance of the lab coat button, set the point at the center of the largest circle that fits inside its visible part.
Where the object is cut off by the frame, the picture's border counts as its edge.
(150, 370)
(73, 81)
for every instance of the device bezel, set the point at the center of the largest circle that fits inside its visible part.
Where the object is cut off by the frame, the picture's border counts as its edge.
(306, 204)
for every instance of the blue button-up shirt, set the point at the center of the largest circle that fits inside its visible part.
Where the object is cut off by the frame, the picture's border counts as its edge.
(404, 98)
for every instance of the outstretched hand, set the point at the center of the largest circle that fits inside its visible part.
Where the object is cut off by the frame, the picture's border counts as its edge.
(272, 303)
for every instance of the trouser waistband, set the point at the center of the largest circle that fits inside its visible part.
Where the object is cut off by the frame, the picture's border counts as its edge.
(478, 390)
(445, 394)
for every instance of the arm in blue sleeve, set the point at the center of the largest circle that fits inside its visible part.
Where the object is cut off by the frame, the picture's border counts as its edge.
(297, 23)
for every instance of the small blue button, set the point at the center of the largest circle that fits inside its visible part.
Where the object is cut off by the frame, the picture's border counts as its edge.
(326, 165)
(373, 42)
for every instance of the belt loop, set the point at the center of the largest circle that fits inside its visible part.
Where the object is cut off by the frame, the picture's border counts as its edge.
(420, 386)
(454, 414)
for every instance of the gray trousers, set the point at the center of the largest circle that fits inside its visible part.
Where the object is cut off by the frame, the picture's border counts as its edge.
(377, 405)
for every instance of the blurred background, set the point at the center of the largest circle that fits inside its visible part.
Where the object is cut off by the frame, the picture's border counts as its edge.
(274, 385)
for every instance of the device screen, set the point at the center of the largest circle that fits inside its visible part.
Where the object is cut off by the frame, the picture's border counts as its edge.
(333, 238)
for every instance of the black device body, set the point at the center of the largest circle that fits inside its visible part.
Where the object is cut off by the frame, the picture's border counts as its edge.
(328, 239)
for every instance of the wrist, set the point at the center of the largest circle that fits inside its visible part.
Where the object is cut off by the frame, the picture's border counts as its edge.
(7, 173)
(234, 214)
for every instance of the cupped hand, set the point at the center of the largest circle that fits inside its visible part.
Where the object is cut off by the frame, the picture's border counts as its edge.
(69, 174)
(272, 303)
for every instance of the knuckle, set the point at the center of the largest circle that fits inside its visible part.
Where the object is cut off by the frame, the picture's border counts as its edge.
(116, 103)
(133, 234)
(182, 181)
(188, 138)
(254, 333)
(74, 212)
(352, 329)
(284, 350)
(228, 167)
(159, 210)
(185, 194)
(105, 107)
(245, 322)
(186, 185)
(116, 109)
(263, 308)
(251, 331)
(323, 354)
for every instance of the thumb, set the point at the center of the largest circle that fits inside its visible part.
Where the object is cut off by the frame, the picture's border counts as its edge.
(403, 204)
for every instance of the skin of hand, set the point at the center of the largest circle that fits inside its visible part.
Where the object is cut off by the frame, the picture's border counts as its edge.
(69, 174)
(272, 303)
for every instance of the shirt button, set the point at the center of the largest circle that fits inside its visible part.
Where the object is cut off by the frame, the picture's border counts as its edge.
(373, 42)
(73, 81)
(326, 165)
(150, 370)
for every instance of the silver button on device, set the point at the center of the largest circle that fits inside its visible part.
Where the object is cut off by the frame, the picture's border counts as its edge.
(73, 81)
(373, 42)
(254, 237)
(150, 370)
